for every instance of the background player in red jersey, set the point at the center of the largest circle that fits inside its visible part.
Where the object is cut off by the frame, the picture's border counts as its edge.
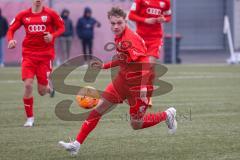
(130, 84)
(149, 16)
(42, 26)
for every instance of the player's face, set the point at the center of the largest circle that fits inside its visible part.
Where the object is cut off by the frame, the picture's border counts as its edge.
(118, 24)
(37, 2)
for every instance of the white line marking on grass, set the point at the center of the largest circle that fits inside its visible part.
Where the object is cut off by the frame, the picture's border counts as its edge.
(203, 77)
(10, 81)
(200, 65)
(204, 73)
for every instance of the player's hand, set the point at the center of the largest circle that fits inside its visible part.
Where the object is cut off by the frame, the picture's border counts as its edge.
(161, 19)
(48, 37)
(150, 20)
(12, 44)
(96, 64)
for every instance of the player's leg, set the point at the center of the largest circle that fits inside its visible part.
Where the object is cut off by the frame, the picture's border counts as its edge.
(43, 72)
(28, 72)
(88, 126)
(28, 102)
(105, 105)
(43, 89)
(90, 123)
(140, 119)
(28, 88)
(153, 46)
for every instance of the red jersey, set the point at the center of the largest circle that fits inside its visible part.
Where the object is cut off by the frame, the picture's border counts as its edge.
(131, 49)
(35, 25)
(142, 9)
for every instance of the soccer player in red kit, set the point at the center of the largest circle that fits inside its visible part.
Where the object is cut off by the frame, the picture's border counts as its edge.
(42, 25)
(149, 16)
(130, 84)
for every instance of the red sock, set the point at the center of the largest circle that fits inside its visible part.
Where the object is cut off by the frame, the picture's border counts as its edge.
(153, 119)
(88, 125)
(28, 105)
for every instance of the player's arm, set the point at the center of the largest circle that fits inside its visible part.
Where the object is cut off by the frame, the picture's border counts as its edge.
(59, 25)
(59, 28)
(14, 25)
(110, 64)
(100, 65)
(167, 14)
(134, 12)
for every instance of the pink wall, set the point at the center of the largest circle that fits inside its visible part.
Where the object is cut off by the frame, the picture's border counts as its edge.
(102, 35)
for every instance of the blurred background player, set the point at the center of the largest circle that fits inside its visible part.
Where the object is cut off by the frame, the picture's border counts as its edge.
(42, 26)
(65, 40)
(85, 31)
(130, 84)
(3, 31)
(149, 16)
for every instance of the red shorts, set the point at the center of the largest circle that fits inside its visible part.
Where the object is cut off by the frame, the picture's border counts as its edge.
(32, 67)
(118, 91)
(153, 46)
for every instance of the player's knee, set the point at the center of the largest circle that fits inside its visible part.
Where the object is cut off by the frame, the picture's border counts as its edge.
(28, 87)
(41, 92)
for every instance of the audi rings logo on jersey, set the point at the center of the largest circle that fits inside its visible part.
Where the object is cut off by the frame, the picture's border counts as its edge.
(153, 11)
(37, 28)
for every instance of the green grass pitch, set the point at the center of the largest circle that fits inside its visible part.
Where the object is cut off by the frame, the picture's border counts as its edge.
(207, 99)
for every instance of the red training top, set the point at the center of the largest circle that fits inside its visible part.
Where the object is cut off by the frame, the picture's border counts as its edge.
(36, 24)
(142, 9)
